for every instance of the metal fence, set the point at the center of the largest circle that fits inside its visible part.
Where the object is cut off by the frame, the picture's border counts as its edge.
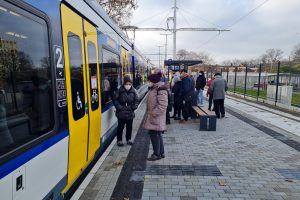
(270, 86)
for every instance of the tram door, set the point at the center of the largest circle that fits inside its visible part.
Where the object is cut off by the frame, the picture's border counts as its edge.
(82, 73)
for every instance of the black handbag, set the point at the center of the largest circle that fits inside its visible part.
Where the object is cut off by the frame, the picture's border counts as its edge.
(189, 96)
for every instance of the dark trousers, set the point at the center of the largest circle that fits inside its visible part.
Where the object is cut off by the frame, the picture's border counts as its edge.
(168, 121)
(177, 110)
(121, 125)
(187, 110)
(219, 107)
(210, 99)
(157, 142)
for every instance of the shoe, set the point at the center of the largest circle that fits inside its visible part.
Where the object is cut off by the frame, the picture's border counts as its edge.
(153, 158)
(173, 116)
(213, 109)
(209, 109)
(162, 155)
(177, 118)
(120, 143)
(201, 105)
(218, 117)
(129, 142)
(222, 116)
(182, 121)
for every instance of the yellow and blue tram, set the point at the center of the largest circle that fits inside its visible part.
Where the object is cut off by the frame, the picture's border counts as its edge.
(60, 63)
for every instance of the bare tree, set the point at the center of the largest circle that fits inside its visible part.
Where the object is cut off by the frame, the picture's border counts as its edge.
(182, 54)
(119, 10)
(296, 54)
(271, 56)
(191, 55)
(226, 63)
(236, 62)
(252, 62)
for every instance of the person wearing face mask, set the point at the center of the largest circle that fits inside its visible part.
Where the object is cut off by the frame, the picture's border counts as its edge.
(155, 116)
(126, 101)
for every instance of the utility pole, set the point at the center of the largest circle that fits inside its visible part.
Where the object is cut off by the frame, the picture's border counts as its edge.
(174, 30)
(159, 55)
(166, 44)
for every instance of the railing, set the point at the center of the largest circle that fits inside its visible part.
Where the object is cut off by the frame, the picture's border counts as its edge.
(263, 84)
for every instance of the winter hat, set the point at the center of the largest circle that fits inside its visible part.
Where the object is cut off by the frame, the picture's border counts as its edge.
(155, 78)
(127, 79)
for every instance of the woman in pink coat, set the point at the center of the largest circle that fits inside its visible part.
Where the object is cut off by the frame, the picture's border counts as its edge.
(155, 117)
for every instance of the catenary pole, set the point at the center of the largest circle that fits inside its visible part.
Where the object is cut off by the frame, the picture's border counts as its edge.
(174, 30)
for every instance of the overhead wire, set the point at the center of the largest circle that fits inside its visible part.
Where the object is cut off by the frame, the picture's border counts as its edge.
(179, 12)
(205, 20)
(151, 17)
(249, 13)
(235, 22)
(165, 18)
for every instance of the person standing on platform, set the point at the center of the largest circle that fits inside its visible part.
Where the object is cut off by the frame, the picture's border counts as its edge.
(155, 116)
(126, 102)
(200, 84)
(176, 89)
(187, 94)
(209, 93)
(219, 88)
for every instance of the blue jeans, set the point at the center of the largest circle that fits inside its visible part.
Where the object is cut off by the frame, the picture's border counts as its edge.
(200, 97)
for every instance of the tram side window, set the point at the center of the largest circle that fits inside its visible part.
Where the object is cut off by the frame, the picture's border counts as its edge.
(26, 107)
(93, 76)
(110, 76)
(76, 71)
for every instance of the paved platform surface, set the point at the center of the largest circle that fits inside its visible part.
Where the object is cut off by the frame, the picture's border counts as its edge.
(254, 154)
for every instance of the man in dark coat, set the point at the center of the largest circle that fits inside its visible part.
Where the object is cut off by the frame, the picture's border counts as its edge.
(200, 84)
(126, 102)
(187, 93)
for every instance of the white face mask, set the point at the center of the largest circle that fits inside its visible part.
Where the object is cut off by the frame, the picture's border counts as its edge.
(127, 87)
(150, 84)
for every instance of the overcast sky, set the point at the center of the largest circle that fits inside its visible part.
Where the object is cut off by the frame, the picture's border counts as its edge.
(276, 24)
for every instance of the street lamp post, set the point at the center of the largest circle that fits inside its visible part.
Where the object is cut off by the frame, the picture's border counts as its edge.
(166, 44)
(159, 46)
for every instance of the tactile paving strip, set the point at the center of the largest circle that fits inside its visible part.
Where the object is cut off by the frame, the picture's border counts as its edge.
(180, 170)
(136, 161)
(289, 173)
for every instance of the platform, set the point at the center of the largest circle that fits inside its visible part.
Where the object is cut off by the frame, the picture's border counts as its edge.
(254, 154)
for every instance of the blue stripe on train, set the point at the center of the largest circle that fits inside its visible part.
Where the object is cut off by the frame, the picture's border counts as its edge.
(12, 165)
(107, 107)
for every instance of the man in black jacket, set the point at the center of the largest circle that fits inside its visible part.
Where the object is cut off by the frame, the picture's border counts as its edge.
(200, 84)
(126, 101)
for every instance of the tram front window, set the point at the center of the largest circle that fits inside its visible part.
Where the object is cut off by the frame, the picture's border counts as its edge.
(26, 110)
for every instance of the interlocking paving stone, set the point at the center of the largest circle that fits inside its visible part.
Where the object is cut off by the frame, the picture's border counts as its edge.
(246, 152)
(284, 139)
